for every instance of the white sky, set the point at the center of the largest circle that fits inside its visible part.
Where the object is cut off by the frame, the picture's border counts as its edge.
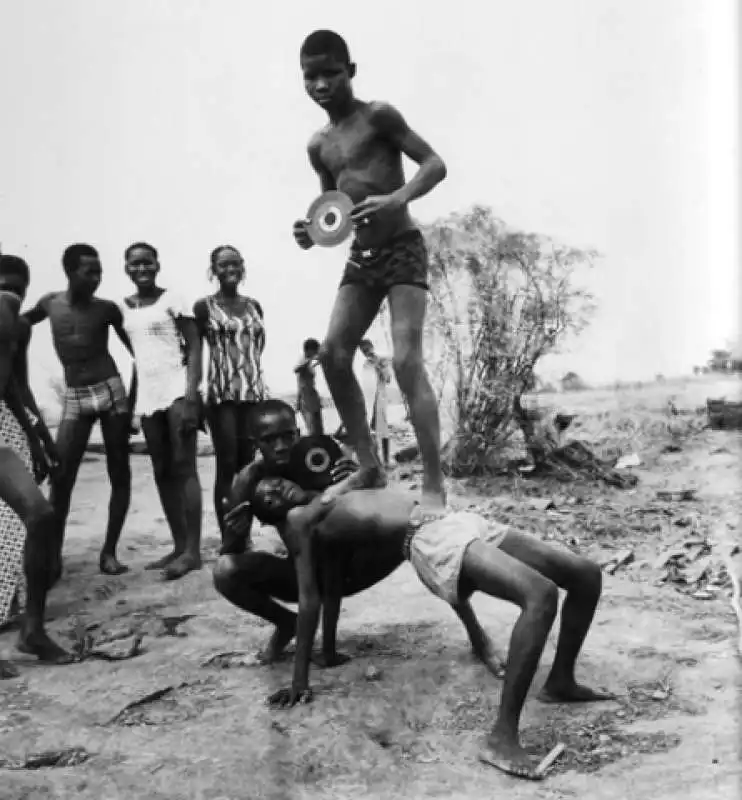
(602, 122)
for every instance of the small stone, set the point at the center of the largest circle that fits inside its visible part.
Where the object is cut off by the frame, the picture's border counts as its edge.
(620, 714)
(604, 738)
(659, 695)
(372, 674)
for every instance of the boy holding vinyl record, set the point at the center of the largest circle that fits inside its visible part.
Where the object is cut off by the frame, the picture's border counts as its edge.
(358, 155)
(254, 580)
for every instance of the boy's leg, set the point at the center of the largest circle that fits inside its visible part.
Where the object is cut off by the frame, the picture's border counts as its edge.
(251, 581)
(222, 421)
(487, 568)
(19, 490)
(355, 308)
(115, 430)
(72, 440)
(582, 580)
(184, 474)
(407, 305)
(157, 437)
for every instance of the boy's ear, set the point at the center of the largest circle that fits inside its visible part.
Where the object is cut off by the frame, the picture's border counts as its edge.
(352, 70)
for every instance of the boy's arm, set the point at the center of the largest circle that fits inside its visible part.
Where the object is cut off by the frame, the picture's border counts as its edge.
(326, 178)
(332, 599)
(117, 323)
(189, 331)
(297, 534)
(40, 311)
(392, 126)
(238, 514)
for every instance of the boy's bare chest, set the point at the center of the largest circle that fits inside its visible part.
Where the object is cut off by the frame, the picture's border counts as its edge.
(77, 325)
(352, 145)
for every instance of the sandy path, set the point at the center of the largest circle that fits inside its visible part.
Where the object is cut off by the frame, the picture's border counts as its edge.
(414, 732)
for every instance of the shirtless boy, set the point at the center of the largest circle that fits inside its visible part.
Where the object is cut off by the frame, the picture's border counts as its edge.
(18, 488)
(359, 152)
(94, 391)
(308, 401)
(253, 580)
(454, 557)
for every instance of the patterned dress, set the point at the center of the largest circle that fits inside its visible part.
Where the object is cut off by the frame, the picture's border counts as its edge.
(236, 345)
(12, 530)
(158, 351)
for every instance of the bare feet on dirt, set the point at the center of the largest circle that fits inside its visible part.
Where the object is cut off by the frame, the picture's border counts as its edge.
(45, 649)
(7, 670)
(163, 562)
(277, 644)
(330, 660)
(181, 566)
(364, 478)
(110, 565)
(507, 755)
(572, 693)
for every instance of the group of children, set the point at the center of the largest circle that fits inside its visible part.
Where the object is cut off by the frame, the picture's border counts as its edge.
(354, 532)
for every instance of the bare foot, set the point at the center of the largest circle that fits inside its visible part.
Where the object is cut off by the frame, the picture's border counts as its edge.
(277, 644)
(331, 660)
(181, 566)
(45, 649)
(7, 670)
(433, 503)
(163, 562)
(572, 693)
(364, 478)
(110, 565)
(488, 656)
(507, 755)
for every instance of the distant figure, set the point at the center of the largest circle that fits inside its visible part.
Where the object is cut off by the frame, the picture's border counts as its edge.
(167, 351)
(232, 326)
(359, 151)
(308, 402)
(94, 391)
(379, 402)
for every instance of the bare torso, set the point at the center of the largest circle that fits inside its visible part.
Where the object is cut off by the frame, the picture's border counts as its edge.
(363, 163)
(80, 336)
(377, 513)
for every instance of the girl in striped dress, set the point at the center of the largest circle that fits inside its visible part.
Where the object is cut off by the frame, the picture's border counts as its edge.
(232, 326)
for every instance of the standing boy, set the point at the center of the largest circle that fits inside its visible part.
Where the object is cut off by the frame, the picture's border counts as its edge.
(308, 402)
(94, 391)
(359, 152)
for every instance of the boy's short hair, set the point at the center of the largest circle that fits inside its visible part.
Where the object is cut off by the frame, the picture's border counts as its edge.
(72, 255)
(272, 405)
(14, 265)
(325, 43)
(141, 246)
(310, 344)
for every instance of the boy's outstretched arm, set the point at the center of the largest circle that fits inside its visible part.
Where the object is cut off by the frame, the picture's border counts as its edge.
(40, 311)
(392, 126)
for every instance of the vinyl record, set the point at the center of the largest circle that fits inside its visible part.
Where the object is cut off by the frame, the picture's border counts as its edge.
(329, 219)
(312, 461)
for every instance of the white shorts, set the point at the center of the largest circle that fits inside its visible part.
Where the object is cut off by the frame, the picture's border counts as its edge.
(437, 549)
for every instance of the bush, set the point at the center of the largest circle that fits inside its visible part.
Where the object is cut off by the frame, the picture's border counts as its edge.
(500, 300)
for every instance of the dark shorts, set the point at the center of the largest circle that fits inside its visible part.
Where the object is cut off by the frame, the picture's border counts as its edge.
(402, 261)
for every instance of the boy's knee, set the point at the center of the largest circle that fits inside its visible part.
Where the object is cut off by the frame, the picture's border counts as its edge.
(224, 571)
(119, 473)
(334, 356)
(41, 518)
(408, 364)
(590, 577)
(543, 597)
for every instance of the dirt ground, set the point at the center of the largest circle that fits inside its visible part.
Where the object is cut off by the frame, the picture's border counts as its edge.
(412, 727)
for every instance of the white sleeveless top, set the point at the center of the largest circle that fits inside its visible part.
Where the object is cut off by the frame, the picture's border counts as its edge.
(158, 351)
